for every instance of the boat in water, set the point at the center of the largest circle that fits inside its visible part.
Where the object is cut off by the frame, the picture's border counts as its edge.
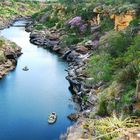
(25, 68)
(52, 118)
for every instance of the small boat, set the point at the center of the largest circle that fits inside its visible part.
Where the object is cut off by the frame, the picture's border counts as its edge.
(52, 118)
(25, 68)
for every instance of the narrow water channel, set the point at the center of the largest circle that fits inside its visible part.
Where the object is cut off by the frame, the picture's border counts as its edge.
(26, 98)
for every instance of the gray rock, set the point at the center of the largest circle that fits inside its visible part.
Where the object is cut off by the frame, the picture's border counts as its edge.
(44, 18)
(10, 55)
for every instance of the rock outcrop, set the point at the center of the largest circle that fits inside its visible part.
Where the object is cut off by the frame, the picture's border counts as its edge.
(73, 116)
(123, 20)
(9, 54)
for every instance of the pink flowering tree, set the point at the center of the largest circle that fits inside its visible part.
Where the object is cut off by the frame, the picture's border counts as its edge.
(76, 25)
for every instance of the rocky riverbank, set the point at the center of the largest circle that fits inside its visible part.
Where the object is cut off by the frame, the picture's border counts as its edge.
(9, 52)
(77, 56)
(84, 92)
(6, 23)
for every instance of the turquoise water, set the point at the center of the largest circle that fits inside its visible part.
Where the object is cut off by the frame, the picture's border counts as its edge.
(26, 98)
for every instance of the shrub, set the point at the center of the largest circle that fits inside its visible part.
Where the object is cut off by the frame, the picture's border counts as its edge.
(116, 43)
(39, 27)
(102, 105)
(84, 99)
(99, 67)
(127, 98)
(71, 39)
(1, 42)
(51, 22)
(128, 74)
(13, 45)
(2, 57)
(107, 24)
(113, 127)
(102, 109)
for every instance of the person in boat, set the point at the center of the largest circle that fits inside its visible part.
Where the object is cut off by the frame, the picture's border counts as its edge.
(52, 118)
(25, 68)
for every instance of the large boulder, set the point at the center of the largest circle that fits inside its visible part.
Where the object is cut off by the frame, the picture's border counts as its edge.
(81, 49)
(73, 116)
(29, 27)
(56, 48)
(34, 35)
(10, 55)
(73, 56)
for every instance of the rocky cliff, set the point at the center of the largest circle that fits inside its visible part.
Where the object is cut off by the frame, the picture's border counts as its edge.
(9, 52)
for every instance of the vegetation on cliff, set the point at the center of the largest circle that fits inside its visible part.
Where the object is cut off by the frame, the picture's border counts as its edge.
(111, 29)
(12, 9)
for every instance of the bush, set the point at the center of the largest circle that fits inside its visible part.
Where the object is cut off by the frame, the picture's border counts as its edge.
(113, 127)
(13, 45)
(107, 24)
(84, 99)
(116, 43)
(2, 57)
(128, 74)
(133, 51)
(131, 60)
(1, 42)
(71, 39)
(127, 98)
(51, 22)
(99, 67)
(102, 105)
(39, 27)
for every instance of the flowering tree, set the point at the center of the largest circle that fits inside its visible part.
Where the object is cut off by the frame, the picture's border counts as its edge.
(77, 25)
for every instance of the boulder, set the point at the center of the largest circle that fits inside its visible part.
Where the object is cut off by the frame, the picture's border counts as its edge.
(53, 42)
(73, 116)
(75, 86)
(10, 55)
(72, 56)
(14, 62)
(56, 48)
(81, 49)
(37, 41)
(95, 28)
(53, 37)
(34, 35)
(66, 54)
(29, 27)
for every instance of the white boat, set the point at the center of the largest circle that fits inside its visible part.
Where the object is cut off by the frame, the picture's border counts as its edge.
(52, 118)
(25, 68)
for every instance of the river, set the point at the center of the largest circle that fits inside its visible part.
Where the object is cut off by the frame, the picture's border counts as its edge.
(27, 97)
